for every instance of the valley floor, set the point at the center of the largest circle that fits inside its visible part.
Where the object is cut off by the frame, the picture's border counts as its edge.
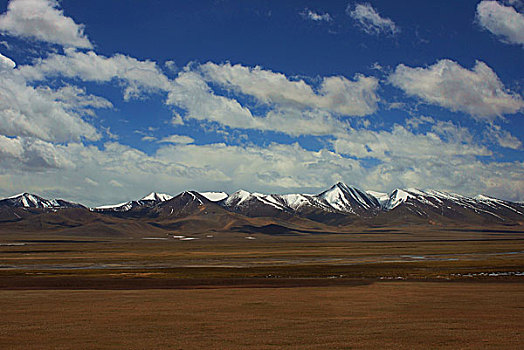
(392, 315)
(401, 290)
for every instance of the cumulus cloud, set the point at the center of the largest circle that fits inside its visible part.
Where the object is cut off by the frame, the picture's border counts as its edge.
(294, 107)
(32, 154)
(42, 20)
(179, 167)
(464, 175)
(137, 76)
(74, 98)
(42, 130)
(6, 63)
(445, 158)
(370, 21)
(276, 168)
(478, 92)
(109, 166)
(11, 147)
(192, 93)
(177, 139)
(189, 91)
(41, 112)
(445, 140)
(314, 16)
(336, 94)
(503, 21)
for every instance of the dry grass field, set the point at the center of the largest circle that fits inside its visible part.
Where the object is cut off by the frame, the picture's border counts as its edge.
(402, 290)
(394, 315)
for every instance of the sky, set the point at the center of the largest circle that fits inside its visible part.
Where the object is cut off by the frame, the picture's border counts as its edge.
(106, 101)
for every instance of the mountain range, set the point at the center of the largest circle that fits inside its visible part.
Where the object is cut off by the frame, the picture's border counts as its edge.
(337, 208)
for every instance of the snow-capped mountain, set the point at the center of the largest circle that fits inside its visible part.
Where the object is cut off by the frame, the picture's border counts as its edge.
(186, 203)
(157, 197)
(148, 201)
(344, 200)
(339, 205)
(340, 198)
(28, 200)
(214, 196)
(433, 204)
(350, 200)
(254, 204)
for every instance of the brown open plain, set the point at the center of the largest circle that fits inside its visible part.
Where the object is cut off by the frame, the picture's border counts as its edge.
(409, 288)
(394, 315)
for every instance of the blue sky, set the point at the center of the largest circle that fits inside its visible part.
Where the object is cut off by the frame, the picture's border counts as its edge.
(105, 101)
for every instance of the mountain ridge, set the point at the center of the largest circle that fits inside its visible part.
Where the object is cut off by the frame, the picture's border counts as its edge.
(340, 205)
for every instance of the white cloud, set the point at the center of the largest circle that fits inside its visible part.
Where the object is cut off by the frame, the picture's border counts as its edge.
(41, 130)
(445, 140)
(32, 154)
(503, 137)
(74, 98)
(175, 168)
(190, 92)
(295, 107)
(6, 63)
(42, 112)
(503, 21)
(478, 92)
(42, 20)
(314, 16)
(137, 76)
(11, 147)
(336, 94)
(177, 119)
(370, 21)
(277, 168)
(177, 139)
(463, 175)
(445, 158)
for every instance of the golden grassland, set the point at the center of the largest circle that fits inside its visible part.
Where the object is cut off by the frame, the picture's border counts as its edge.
(410, 289)
(395, 315)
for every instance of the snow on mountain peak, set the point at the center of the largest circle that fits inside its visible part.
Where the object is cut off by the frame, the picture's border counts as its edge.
(18, 195)
(157, 197)
(295, 201)
(238, 197)
(396, 198)
(348, 198)
(121, 206)
(482, 197)
(28, 200)
(214, 196)
(381, 197)
(336, 198)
